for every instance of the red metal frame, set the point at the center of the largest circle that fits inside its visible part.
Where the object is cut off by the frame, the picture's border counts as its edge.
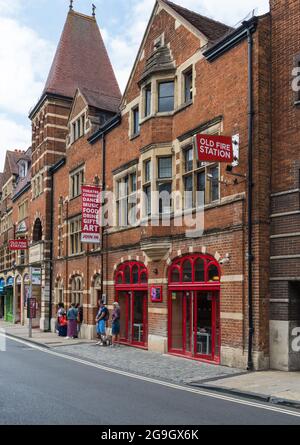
(193, 287)
(131, 288)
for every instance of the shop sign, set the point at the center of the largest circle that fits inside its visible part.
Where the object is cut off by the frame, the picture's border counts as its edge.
(22, 228)
(156, 294)
(36, 276)
(31, 308)
(214, 148)
(19, 244)
(91, 204)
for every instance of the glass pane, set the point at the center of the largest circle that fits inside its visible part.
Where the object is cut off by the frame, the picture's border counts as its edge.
(119, 278)
(189, 86)
(187, 271)
(189, 156)
(148, 100)
(188, 324)
(166, 97)
(213, 273)
(188, 192)
(215, 183)
(135, 274)
(177, 321)
(127, 275)
(148, 200)
(204, 324)
(147, 171)
(165, 197)
(144, 278)
(133, 182)
(199, 270)
(124, 301)
(138, 317)
(201, 189)
(136, 118)
(175, 276)
(165, 168)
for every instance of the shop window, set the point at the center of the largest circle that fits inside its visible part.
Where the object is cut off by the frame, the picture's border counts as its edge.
(165, 97)
(213, 273)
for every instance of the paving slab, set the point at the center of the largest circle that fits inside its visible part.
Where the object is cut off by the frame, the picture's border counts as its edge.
(275, 386)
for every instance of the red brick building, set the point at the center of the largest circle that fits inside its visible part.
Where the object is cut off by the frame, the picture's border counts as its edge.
(208, 272)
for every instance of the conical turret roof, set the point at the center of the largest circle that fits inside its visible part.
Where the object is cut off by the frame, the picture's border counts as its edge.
(81, 61)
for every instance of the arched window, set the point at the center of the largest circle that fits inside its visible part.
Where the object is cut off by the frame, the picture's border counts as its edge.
(194, 269)
(77, 290)
(37, 231)
(131, 273)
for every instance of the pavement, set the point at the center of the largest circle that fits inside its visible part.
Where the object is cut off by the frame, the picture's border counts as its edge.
(268, 386)
(41, 386)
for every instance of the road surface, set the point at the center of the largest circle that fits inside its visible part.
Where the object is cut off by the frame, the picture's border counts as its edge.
(42, 388)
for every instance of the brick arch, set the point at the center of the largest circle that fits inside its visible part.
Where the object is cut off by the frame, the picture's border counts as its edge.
(39, 216)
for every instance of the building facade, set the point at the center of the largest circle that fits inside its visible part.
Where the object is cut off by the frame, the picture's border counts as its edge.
(202, 257)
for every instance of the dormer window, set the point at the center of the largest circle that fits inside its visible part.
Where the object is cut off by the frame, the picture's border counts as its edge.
(23, 167)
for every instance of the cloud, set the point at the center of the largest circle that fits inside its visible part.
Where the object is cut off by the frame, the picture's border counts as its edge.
(124, 44)
(12, 136)
(25, 57)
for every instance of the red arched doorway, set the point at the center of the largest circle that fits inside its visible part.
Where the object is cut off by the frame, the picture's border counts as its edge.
(132, 294)
(194, 308)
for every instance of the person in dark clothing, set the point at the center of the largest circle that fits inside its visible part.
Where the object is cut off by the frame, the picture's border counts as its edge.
(80, 318)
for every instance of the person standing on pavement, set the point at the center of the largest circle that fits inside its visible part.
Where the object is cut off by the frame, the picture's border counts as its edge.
(61, 321)
(116, 315)
(101, 319)
(72, 316)
(79, 318)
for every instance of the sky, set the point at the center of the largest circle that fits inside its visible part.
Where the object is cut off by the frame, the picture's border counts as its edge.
(30, 31)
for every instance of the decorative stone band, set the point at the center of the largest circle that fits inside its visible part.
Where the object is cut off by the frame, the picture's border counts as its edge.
(232, 316)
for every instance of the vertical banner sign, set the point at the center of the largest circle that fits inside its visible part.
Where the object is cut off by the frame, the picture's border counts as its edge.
(214, 148)
(91, 204)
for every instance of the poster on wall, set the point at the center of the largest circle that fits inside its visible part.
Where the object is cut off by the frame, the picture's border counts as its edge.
(156, 294)
(91, 204)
